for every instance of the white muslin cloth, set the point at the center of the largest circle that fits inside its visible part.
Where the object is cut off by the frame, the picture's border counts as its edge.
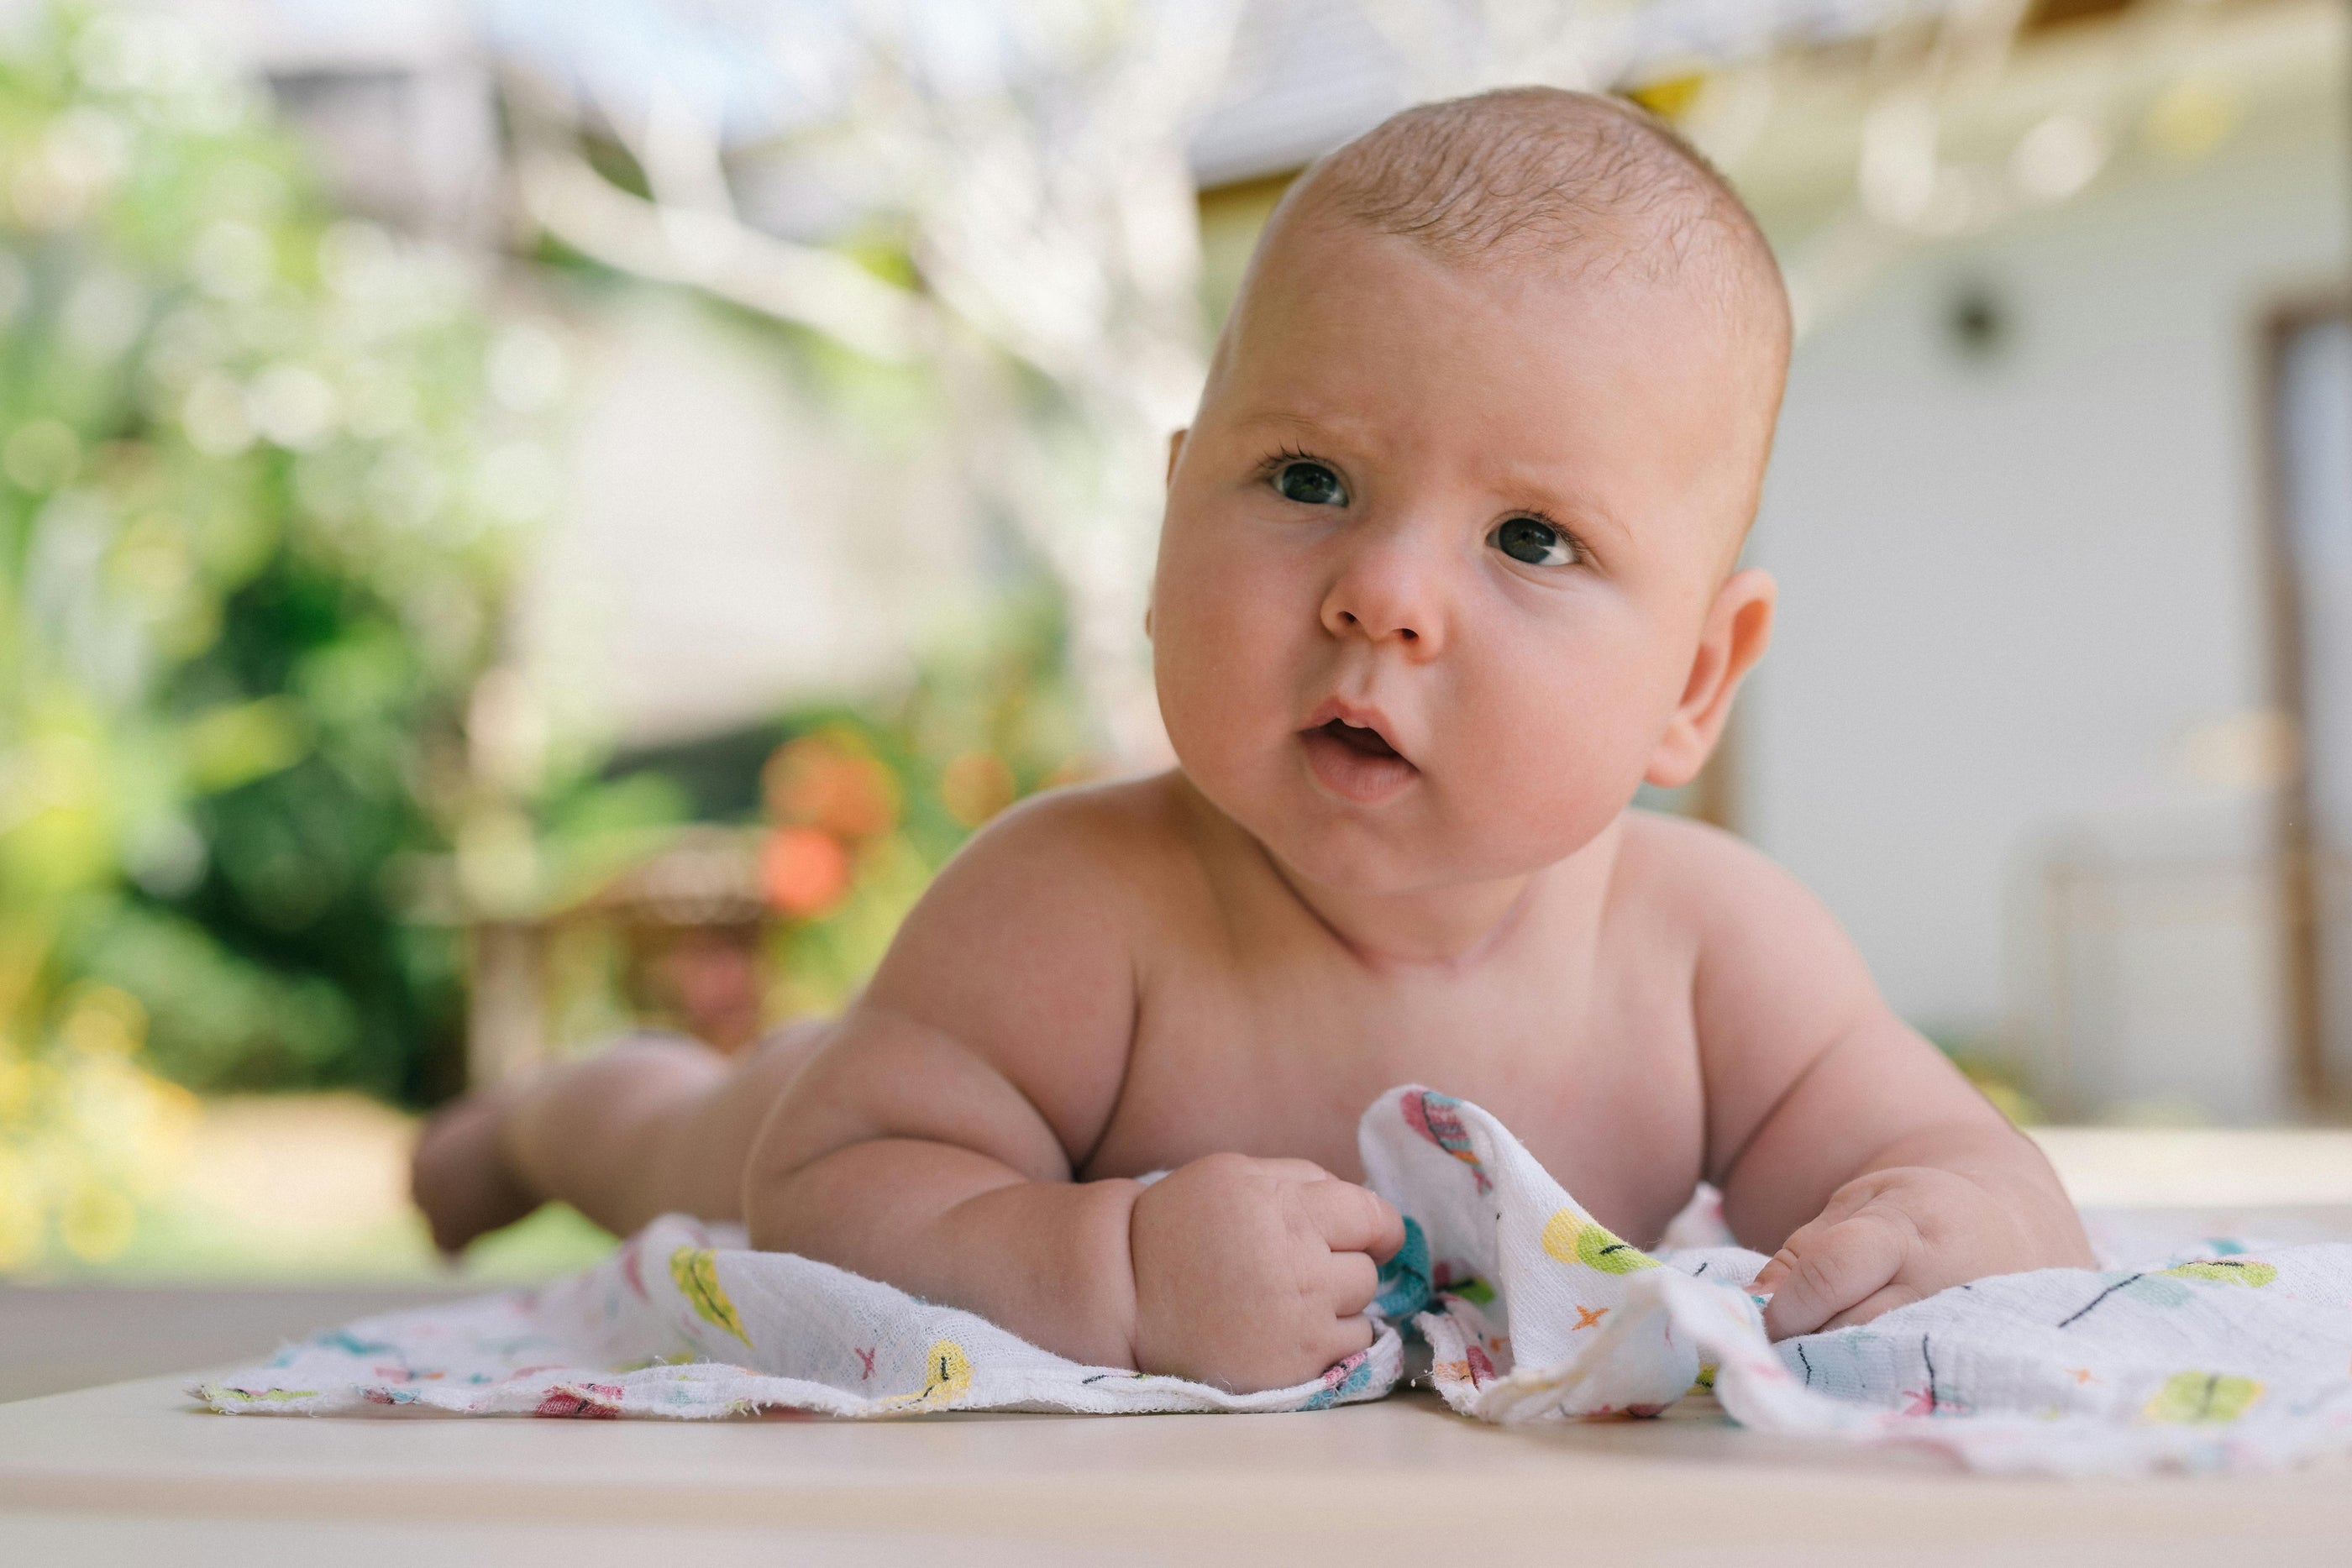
(2219, 1358)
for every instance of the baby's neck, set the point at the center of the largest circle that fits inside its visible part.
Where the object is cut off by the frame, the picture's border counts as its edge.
(1460, 925)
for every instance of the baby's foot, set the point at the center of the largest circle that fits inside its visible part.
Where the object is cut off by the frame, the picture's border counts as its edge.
(458, 1175)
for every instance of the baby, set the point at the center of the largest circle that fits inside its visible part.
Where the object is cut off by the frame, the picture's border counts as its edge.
(1447, 571)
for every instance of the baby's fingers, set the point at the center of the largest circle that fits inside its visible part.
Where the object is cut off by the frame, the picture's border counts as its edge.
(1826, 1269)
(1352, 1218)
(1349, 1281)
(1344, 1338)
(1884, 1299)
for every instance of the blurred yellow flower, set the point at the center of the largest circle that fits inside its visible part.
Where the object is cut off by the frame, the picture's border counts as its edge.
(87, 1134)
(975, 786)
(97, 1223)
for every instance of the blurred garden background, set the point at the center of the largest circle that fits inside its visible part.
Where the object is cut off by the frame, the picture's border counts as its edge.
(521, 520)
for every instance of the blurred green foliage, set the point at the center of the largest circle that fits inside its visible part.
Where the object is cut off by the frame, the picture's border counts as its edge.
(832, 819)
(257, 497)
(264, 470)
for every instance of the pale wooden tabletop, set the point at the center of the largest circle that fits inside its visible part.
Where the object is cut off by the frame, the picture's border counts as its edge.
(133, 1471)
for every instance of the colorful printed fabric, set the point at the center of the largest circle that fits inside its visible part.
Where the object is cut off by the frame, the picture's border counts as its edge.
(2214, 1359)
(686, 1321)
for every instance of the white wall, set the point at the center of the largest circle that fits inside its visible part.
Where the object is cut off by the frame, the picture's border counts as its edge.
(727, 544)
(2022, 595)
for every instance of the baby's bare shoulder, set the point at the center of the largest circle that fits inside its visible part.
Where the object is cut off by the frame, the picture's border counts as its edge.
(1774, 981)
(1751, 926)
(1084, 861)
(1016, 968)
(1119, 828)
(1694, 876)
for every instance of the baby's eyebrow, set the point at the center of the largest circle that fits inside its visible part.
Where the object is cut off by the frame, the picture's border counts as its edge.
(1309, 427)
(1543, 487)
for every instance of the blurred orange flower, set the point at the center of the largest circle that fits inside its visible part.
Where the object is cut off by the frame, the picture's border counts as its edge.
(829, 781)
(803, 871)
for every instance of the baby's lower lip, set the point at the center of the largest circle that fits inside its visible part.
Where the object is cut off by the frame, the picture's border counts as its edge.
(1363, 777)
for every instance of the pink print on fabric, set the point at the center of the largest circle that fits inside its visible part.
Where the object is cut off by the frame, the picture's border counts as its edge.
(1434, 1117)
(589, 1401)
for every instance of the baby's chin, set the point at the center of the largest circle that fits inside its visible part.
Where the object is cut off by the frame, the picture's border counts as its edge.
(1409, 844)
(1351, 862)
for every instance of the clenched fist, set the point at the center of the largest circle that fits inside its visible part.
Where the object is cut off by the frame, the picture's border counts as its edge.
(1254, 1274)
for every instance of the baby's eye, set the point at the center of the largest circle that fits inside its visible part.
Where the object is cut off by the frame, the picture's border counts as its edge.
(1310, 484)
(1533, 541)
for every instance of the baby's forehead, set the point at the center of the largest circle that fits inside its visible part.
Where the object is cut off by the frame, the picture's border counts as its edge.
(1542, 189)
(1337, 310)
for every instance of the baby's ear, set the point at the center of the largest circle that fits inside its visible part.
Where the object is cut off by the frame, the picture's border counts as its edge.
(1175, 451)
(1738, 625)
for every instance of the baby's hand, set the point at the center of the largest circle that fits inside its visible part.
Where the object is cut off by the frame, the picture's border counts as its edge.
(1253, 1274)
(1895, 1237)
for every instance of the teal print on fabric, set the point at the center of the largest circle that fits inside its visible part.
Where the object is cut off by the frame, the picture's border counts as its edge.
(2152, 1289)
(1845, 1362)
(2159, 1288)
(351, 1345)
(1404, 1278)
(1353, 1375)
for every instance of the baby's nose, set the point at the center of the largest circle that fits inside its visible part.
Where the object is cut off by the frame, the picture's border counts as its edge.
(1386, 596)
(1356, 623)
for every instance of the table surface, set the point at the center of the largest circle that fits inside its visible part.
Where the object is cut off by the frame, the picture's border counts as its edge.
(134, 1470)
(54, 1338)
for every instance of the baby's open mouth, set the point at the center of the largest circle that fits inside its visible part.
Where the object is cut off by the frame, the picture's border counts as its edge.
(1357, 738)
(1356, 760)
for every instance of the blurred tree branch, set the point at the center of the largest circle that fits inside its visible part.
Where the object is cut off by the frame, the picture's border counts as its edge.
(689, 232)
(1048, 214)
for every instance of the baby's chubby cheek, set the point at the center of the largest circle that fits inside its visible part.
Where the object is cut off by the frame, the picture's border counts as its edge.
(1230, 669)
(1531, 772)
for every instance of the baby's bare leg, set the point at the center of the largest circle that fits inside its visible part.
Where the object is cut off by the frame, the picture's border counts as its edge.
(658, 1124)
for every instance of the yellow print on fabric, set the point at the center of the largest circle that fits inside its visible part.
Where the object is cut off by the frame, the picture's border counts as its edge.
(2202, 1397)
(2229, 1271)
(947, 1376)
(1572, 1238)
(696, 1271)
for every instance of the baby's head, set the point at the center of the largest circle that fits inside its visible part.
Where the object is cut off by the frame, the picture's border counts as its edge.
(1446, 569)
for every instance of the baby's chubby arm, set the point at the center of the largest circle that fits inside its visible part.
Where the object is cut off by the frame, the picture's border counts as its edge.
(933, 1143)
(1833, 1124)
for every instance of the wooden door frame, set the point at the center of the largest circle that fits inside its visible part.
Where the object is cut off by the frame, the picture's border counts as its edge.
(2307, 1005)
